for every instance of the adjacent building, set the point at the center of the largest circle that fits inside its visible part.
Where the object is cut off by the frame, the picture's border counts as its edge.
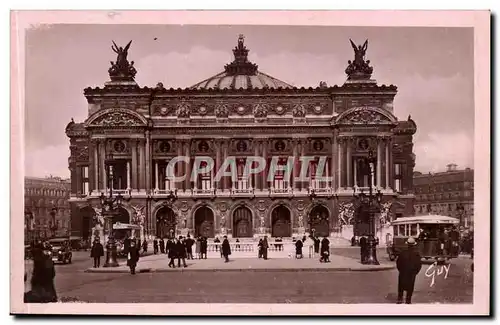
(46, 208)
(133, 132)
(448, 193)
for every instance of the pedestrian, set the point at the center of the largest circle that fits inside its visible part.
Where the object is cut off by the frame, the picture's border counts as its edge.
(298, 248)
(162, 246)
(237, 244)
(189, 247)
(353, 241)
(216, 242)
(265, 248)
(133, 256)
(316, 245)
(225, 249)
(408, 264)
(198, 247)
(363, 248)
(454, 241)
(42, 280)
(180, 249)
(260, 249)
(155, 246)
(172, 252)
(204, 247)
(325, 250)
(96, 252)
(144, 246)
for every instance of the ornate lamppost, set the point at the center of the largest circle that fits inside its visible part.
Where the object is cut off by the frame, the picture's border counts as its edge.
(109, 206)
(369, 206)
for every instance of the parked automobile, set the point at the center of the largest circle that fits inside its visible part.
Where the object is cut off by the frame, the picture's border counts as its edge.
(61, 250)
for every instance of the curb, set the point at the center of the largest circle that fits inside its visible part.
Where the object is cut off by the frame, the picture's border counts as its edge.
(164, 270)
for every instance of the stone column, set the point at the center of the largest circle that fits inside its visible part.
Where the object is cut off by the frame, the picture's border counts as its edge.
(102, 163)
(133, 146)
(349, 163)
(333, 165)
(387, 164)
(187, 152)
(378, 168)
(142, 167)
(95, 185)
(178, 166)
(129, 172)
(148, 161)
(264, 172)
(355, 172)
(303, 185)
(218, 162)
(296, 170)
(340, 151)
(256, 182)
(225, 180)
(157, 175)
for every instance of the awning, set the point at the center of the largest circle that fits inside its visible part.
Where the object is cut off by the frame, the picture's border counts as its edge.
(126, 226)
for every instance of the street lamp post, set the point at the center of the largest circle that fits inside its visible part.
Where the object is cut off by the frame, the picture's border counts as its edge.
(109, 206)
(53, 223)
(370, 205)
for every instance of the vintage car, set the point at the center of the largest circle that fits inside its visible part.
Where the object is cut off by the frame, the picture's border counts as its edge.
(61, 250)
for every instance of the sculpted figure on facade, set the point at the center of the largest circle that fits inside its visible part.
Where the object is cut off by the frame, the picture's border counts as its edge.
(299, 111)
(346, 213)
(183, 110)
(221, 111)
(385, 213)
(360, 68)
(121, 69)
(139, 216)
(260, 111)
(117, 119)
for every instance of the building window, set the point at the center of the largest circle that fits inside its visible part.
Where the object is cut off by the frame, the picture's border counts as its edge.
(85, 180)
(315, 180)
(119, 170)
(205, 179)
(279, 182)
(398, 186)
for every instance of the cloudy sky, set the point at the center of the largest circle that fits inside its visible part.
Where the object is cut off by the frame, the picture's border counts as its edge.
(432, 67)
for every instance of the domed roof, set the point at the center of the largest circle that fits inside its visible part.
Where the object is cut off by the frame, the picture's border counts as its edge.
(241, 74)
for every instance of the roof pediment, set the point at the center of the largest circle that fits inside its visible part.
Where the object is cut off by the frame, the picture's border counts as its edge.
(116, 117)
(366, 115)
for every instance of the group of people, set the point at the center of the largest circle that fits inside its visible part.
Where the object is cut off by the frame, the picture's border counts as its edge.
(316, 247)
(169, 247)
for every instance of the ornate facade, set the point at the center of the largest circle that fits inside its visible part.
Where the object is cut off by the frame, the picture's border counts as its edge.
(449, 193)
(238, 113)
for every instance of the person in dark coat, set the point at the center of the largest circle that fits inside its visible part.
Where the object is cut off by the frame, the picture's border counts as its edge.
(42, 280)
(226, 249)
(96, 252)
(217, 241)
(298, 248)
(364, 248)
(144, 246)
(454, 240)
(316, 245)
(203, 247)
(180, 250)
(189, 247)
(155, 246)
(126, 245)
(408, 264)
(325, 250)
(353, 241)
(162, 246)
(265, 248)
(172, 252)
(259, 245)
(133, 256)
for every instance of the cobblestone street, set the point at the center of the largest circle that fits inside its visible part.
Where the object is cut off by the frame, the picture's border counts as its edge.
(260, 287)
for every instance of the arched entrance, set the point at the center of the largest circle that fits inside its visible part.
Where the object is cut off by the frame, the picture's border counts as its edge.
(87, 214)
(121, 216)
(281, 222)
(319, 221)
(204, 222)
(165, 222)
(242, 223)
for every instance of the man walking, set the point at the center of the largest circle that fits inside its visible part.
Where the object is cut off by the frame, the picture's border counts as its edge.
(155, 246)
(364, 248)
(265, 247)
(181, 252)
(96, 252)
(408, 264)
(325, 250)
(226, 249)
(162, 246)
(144, 246)
(189, 247)
(133, 256)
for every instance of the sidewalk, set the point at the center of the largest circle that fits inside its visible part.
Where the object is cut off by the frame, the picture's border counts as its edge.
(159, 263)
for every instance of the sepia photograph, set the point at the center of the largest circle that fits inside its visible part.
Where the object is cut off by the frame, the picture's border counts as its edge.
(236, 160)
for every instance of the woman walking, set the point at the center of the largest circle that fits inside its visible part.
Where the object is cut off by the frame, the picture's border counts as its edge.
(133, 256)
